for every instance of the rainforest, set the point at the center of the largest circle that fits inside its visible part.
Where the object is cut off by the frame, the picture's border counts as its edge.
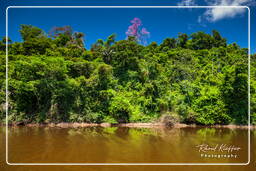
(192, 79)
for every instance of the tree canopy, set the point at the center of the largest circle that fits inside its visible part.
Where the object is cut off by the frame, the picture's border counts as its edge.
(198, 78)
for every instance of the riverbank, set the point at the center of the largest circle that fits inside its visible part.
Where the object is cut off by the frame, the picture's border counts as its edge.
(130, 125)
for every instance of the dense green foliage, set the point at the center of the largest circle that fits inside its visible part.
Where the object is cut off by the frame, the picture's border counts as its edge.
(198, 78)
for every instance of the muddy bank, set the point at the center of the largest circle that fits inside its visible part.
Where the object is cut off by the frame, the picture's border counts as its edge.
(131, 125)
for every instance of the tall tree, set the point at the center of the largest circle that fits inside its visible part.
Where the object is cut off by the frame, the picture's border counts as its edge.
(28, 32)
(218, 40)
(182, 40)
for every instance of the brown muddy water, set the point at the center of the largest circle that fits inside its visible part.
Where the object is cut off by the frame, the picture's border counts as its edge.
(125, 145)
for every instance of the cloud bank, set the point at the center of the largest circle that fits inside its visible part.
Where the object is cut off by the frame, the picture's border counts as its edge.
(215, 14)
(187, 3)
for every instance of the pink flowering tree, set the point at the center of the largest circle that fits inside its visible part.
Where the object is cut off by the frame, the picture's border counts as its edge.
(136, 30)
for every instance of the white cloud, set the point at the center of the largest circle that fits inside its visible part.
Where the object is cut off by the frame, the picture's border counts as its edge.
(215, 14)
(187, 3)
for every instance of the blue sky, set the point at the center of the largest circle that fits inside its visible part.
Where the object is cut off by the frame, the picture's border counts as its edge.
(161, 23)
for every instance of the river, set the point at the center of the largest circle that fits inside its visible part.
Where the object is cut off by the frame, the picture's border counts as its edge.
(125, 145)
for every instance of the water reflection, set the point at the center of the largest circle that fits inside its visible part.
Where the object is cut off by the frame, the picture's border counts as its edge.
(116, 144)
